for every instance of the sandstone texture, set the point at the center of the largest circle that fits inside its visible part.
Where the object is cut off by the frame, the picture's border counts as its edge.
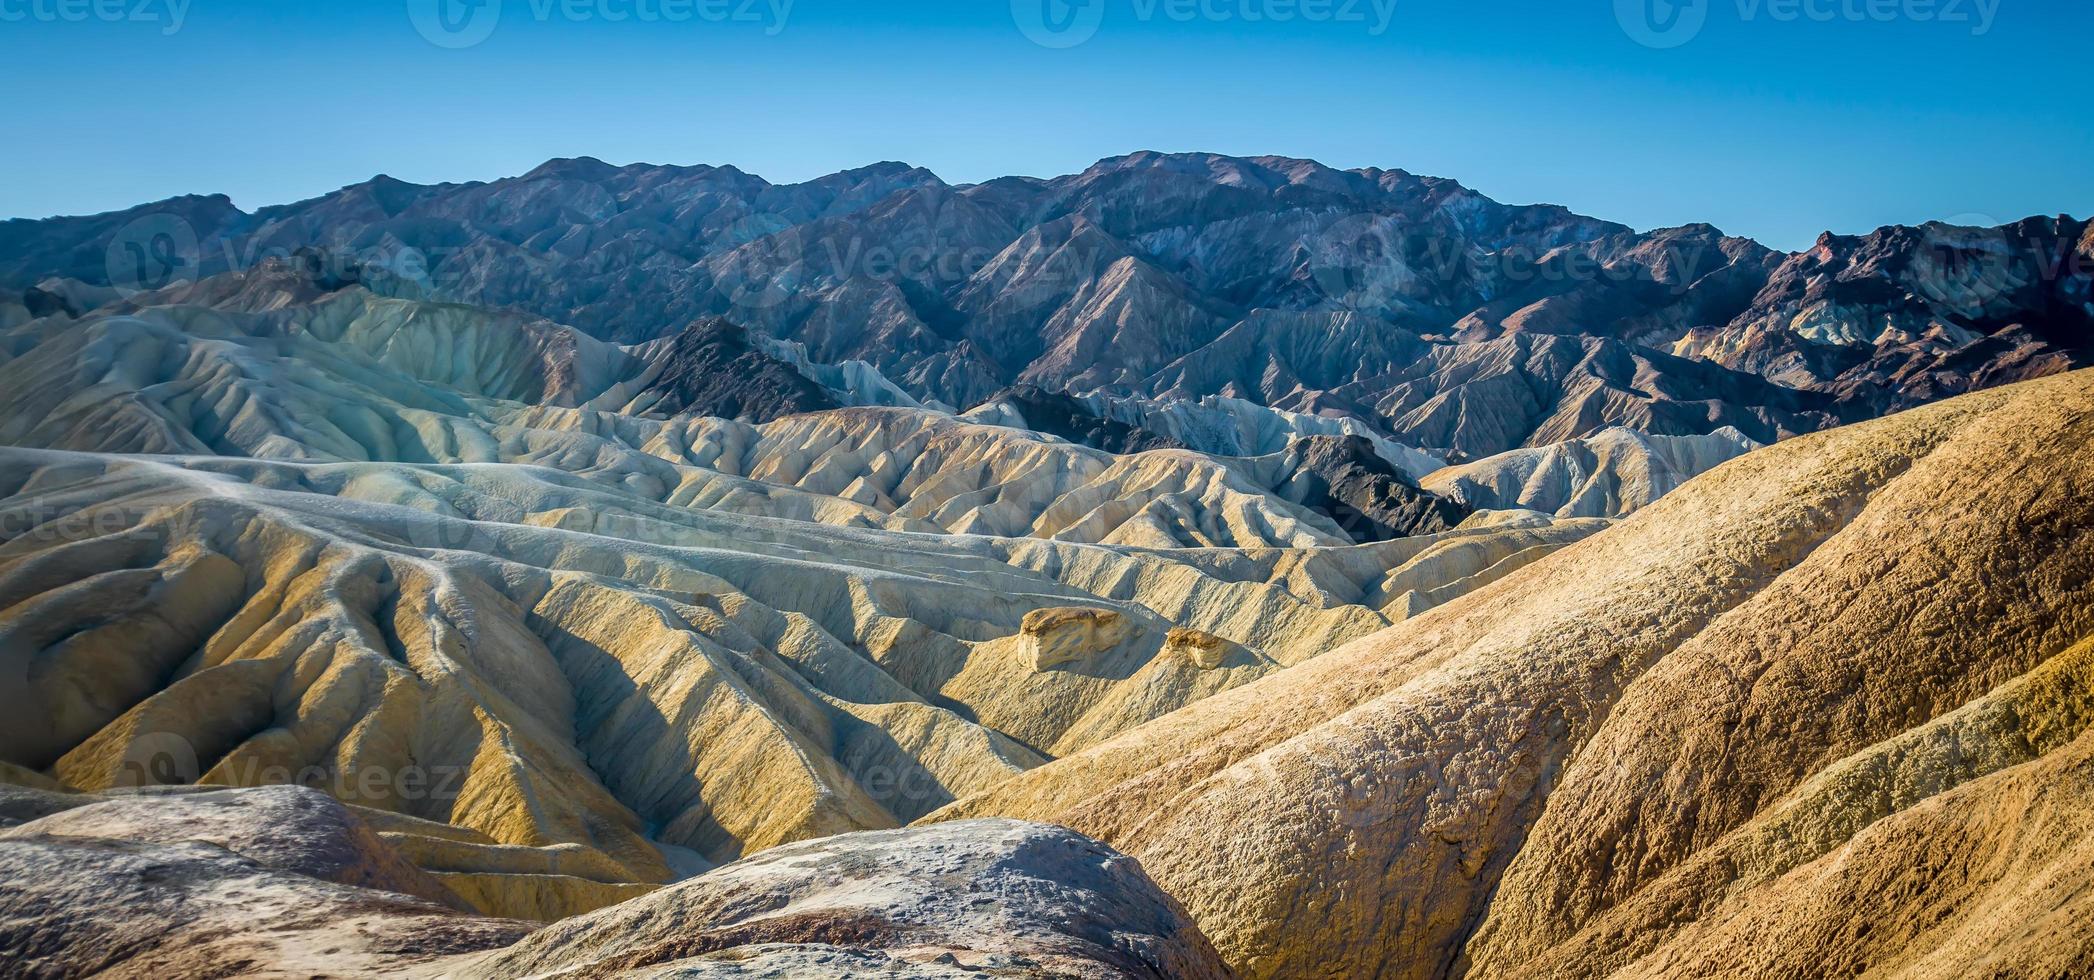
(285, 882)
(98, 907)
(286, 529)
(1811, 708)
(287, 828)
(972, 898)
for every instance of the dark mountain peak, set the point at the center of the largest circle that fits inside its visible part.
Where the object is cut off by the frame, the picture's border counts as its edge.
(1266, 171)
(576, 168)
(1058, 414)
(883, 170)
(32, 250)
(887, 174)
(391, 194)
(1213, 166)
(1127, 161)
(1343, 478)
(180, 204)
(1693, 231)
(1828, 241)
(711, 368)
(1380, 174)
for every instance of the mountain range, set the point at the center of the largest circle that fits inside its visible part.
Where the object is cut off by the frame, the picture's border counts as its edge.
(1446, 320)
(1195, 567)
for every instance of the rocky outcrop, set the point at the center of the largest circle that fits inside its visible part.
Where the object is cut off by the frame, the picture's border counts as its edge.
(1345, 480)
(286, 828)
(286, 882)
(88, 907)
(1054, 637)
(304, 830)
(1526, 390)
(1726, 719)
(1222, 426)
(1204, 649)
(1057, 414)
(712, 368)
(853, 383)
(961, 899)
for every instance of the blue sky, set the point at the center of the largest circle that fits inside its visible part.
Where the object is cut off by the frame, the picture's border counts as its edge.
(1775, 118)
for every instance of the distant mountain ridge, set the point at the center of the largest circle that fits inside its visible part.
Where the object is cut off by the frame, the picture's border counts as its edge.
(1412, 303)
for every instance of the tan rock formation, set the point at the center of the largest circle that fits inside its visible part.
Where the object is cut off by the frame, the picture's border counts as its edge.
(561, 656)
(606, 641)
(1204, 649)
(495, 647)
(1980, 818)
(350, 376)
(1546, 763)
(1066, 635)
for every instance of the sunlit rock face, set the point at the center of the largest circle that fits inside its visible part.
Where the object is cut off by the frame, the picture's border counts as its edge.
(1832, 664)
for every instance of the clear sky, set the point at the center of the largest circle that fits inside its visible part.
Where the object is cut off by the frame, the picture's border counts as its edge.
(1770, 118)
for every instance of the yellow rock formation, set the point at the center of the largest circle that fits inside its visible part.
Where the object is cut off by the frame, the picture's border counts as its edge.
(1844, 661)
